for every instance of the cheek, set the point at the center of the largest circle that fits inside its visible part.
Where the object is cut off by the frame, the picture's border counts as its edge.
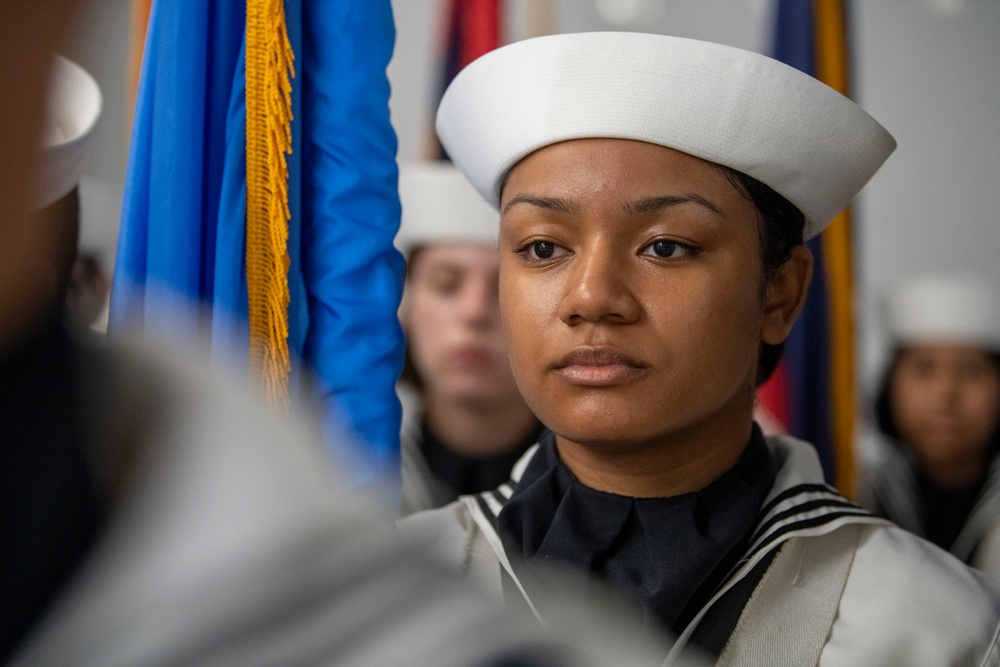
(428, 323)
(734, 285)
(517, 321)
(528, 308)
(982, 407)
(907, 400)
(718, 319)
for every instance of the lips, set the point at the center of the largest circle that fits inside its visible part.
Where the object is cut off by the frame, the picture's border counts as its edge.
(598, 367)
(475, 356)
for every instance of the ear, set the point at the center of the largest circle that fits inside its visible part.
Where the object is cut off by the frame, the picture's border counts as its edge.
(786, 295)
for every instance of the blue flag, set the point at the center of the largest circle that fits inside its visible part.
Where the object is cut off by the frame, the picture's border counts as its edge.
(182, 238)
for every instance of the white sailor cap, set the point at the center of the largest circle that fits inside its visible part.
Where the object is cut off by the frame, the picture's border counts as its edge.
(733, 107)
(944, 309)
(439, 206)
(72, 110)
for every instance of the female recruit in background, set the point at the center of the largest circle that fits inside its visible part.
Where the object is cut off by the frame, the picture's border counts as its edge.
(937, 472)
(464, 421)
(654, 195)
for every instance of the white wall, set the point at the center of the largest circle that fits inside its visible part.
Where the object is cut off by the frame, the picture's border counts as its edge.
(101, 45)
(933, 79)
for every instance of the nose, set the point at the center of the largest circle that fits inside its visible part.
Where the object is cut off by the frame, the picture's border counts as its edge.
(598, 290)
(480, 305)
(944, 387)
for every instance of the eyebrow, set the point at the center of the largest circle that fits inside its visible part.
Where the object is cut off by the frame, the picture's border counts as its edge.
(654, 204)
(549, 203)
(637, 207)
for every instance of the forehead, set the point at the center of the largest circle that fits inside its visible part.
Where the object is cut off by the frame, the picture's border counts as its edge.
(613, 173)
(947, 351)
(615, 164)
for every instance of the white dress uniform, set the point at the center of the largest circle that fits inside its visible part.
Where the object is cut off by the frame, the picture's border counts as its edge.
(821, 581)
(845, 588)
(422, 490)
(890, 488)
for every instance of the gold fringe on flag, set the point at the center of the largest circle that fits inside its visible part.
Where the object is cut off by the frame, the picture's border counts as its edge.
(269, 71)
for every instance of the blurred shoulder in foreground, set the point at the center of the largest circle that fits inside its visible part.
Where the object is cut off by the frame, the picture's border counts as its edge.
(222, 541)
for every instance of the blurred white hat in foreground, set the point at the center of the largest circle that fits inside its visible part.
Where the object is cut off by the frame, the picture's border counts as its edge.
(72, 110)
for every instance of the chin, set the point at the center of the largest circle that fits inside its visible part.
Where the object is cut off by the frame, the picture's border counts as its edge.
(630, 423)
(605, 434)
(478, 392)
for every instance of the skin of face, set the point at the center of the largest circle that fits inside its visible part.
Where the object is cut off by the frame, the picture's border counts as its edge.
(452, 318)
(945, 399)
(632, 296)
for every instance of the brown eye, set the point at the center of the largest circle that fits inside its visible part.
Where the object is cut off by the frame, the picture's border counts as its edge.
(445, 287)
(666, 249)
(440, 281)
(543, 249)
(539, 251)
(536, 251)
(973, 369)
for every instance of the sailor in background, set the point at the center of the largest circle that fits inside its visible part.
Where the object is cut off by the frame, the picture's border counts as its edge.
(654, 194)
(464, 421)
(937, 470)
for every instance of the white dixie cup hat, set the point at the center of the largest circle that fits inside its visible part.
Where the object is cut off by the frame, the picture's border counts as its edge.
(440, 206)
(737, 108)
(955, 309)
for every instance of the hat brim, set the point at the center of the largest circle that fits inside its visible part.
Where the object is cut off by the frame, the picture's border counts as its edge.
(733, 107)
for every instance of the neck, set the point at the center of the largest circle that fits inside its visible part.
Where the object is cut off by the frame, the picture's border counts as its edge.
(956, 475)
(672, 466)
(480, 429)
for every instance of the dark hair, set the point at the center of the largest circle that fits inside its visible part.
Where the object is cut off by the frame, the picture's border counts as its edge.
(883, 406)
(410, 374)
(884, 416)
(779, 229)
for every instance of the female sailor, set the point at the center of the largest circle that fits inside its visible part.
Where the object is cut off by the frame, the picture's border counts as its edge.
(937, 472)
(654, 194)
(464, 421)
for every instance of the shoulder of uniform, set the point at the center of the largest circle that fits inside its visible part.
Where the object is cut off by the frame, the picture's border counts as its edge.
(907, 597)
(443, 532)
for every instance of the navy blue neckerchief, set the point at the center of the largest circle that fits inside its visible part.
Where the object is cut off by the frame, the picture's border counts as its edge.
(797, 506)
(668, 555)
